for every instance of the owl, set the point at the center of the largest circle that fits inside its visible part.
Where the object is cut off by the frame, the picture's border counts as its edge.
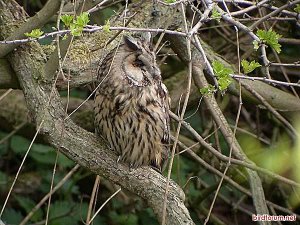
(132, 104)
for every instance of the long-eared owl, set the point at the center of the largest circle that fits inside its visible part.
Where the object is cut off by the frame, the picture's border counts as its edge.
(132, 103)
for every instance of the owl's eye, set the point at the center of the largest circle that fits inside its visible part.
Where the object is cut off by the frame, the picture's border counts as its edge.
(138, 63)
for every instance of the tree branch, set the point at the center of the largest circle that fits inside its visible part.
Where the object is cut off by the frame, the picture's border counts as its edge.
(84, 118)
(36, 21)
(178, 46)
(90, 49)
(79, 145)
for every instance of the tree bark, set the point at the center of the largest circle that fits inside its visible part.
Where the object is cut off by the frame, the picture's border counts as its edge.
(84, 55)
(179, 46)
(84, 148)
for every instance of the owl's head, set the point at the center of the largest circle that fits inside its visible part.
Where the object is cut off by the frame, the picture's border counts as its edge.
(139, 61)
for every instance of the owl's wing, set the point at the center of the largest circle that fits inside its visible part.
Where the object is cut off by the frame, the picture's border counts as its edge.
(166, 135)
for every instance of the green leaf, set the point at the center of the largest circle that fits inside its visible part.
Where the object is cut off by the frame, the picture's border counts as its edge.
(249, 67)
(36, 33)
(19, 144)
(220, 70)
(69, 213)
(67, 19)
(224, 82)
(39, 148)
(82, 20)
(123, 219)
(47, 159)
(106, 27)
(63, 161)
(170, 1)
(216, 15)
(270, 37)
(76, 30)
(60, 208)
(27, 204)
(207, 90)
(223, 75)
(297, 8)
(43, 154)
(63, 212)
(76, 26)
(46, 155)
(11, 216)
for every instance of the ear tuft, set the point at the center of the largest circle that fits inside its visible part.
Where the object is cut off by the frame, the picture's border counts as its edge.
(131, 43)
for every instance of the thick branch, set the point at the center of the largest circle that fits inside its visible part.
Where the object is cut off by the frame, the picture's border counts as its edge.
(82, 74)
(15, 102)
(178, 46)
(86, 149)
(36, 21)
(81, 146)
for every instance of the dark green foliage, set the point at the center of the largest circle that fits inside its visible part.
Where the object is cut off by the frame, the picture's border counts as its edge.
(27, 204)
(11, 216)
(67, 205)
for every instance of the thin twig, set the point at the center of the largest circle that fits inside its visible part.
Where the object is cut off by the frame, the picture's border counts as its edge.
(224, 158)
(264, 79)
(20, 167)
(188, 90)
(228, 164)
(93, 198)
(278, 10)
(92, 29)
(51, 188)
(271, 109)
(44, 199)
(5, 93)
(20, 126)
(101, 207)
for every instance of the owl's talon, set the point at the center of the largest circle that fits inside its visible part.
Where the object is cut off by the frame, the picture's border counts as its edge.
(131, 168)
(156, 169)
